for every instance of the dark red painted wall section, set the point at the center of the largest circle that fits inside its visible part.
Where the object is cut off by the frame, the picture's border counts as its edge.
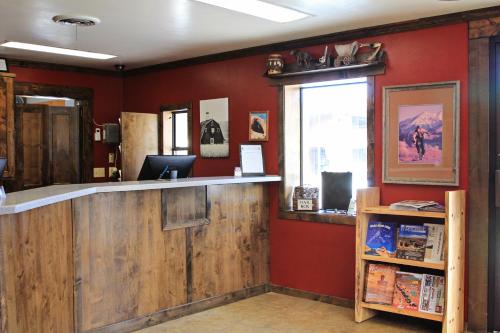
(304, 255)
(108, 98)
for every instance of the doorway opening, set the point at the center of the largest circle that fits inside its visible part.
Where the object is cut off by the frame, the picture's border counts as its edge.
(53, 134)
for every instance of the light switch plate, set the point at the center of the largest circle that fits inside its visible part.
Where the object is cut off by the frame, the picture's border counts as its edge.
(99, 172)
(111, 158)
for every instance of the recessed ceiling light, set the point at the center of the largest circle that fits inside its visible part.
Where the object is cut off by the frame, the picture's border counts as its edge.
(260, 9)
(57, 50)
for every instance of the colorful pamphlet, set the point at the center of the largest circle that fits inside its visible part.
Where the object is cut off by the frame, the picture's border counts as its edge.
(435, 241)
(407, 291)
(432, 294)
(381, 239)
(380, 283)
(412, 240)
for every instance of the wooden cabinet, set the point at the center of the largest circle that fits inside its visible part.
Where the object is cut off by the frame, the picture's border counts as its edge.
(452, 268)
(7, 145)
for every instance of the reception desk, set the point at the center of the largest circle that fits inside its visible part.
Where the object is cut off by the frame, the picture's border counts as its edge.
(117, 257)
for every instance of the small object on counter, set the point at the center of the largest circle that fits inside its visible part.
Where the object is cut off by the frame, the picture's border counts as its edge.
(306, 198)
(237, 172)
(275, 64)
(173, 174)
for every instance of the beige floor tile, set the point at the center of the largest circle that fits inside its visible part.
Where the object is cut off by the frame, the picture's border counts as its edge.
(276, 313)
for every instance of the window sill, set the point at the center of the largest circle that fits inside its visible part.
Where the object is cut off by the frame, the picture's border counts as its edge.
(319, 217)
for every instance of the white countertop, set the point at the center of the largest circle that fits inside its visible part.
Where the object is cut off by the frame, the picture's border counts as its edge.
(21, 201)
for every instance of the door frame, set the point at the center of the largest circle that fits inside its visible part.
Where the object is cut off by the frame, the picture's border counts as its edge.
(85, 99)
(481, 172)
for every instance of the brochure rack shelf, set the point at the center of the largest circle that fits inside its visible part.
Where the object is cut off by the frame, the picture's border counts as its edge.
(369, 209)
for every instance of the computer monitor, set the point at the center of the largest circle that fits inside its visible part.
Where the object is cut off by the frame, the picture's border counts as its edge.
(158, 166)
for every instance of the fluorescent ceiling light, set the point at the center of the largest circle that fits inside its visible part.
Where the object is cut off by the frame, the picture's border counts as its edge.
(260, 9)
(51, 98)
(57, 50)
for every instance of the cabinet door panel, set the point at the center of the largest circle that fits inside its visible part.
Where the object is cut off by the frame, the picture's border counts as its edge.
(7, 144)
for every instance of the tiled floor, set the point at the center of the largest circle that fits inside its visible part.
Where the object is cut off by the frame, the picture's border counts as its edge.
(276, 313)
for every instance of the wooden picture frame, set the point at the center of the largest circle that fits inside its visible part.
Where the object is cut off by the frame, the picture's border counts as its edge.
(421, 134)
(258, 126)
(3, 65)
(252, 160)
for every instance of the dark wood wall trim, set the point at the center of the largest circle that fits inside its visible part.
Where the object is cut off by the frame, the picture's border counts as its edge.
(480, 173)
(62, 68)
(85, 97)
(181, 311)
(428, 22)
(365, 32)
(348, 303)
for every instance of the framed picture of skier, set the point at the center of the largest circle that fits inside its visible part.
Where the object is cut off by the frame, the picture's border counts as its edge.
(214, 128)
(258, 126)
(421, 134)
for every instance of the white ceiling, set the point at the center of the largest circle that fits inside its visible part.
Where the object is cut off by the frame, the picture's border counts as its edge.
(147, 32)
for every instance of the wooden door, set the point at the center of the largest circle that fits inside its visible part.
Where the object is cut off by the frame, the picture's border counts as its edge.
(32, 159)
(7, 145)
(139, 138)
(63, 145)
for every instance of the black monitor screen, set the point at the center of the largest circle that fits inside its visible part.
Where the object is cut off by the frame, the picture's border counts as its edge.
(159, 166)
(3, 164)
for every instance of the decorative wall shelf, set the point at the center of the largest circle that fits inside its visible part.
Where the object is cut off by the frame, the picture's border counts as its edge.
(327, 74)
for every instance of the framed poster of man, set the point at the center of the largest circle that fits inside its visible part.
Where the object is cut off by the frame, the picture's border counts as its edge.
(214, 128)
(421, 134)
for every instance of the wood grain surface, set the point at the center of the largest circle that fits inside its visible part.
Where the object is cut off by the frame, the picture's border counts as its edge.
(126, 266)
(231, 253)
(36, 271)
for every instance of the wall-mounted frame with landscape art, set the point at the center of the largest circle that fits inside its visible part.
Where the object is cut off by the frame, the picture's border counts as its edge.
(421, 134)
(258, 126)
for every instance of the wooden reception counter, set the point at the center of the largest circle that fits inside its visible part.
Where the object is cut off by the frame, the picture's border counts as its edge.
(117, 257)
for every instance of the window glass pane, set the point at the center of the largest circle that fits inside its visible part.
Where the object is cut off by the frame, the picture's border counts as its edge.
(181, 129)
(180, 152)
(334, 132)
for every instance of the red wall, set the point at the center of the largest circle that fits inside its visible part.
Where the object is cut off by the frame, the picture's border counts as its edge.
(108, 98)
(304, 255)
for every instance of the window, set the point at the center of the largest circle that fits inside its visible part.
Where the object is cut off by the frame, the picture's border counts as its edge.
(325, 126)
(180, 133)
(334, 131)
(175, 124)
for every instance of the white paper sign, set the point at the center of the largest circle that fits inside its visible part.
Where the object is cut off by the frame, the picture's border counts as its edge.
(251, 159)
(304, 204)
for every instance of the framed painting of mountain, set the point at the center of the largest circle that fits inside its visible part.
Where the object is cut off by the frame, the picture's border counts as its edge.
(258, 126)
(421, 134)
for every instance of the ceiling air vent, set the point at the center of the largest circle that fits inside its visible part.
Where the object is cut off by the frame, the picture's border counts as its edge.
(80, 21)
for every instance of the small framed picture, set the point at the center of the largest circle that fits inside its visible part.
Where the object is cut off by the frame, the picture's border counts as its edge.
(251, 160)
(258, 126)
(3, 65)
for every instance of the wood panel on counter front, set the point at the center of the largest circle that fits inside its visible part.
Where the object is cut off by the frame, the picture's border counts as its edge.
(231, 253)
(36, 271)
(104, 263)
(126, 265)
